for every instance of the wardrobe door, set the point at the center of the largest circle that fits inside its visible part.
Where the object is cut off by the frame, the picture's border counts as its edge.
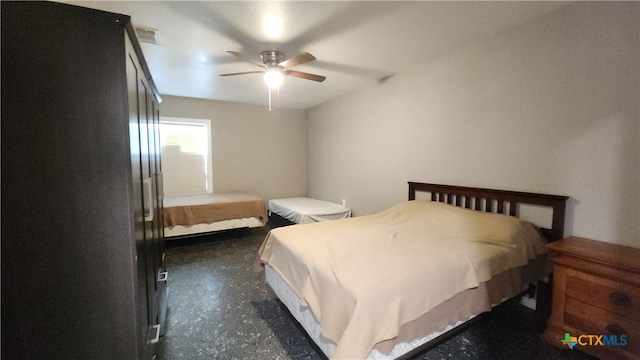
(152, 238)
(149, 239)
(146, 301)
(154, 222)
(159, 244)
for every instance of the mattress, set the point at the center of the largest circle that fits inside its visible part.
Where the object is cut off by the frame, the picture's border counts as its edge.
(303, 210)
(438, 321)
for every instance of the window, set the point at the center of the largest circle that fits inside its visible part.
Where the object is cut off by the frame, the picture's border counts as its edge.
(186, 155)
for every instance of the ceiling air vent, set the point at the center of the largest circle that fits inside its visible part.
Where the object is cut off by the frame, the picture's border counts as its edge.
(147, 35)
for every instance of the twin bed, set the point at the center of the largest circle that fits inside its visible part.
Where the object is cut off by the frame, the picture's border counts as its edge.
(197, 214)
(304, 210)
(384, 286)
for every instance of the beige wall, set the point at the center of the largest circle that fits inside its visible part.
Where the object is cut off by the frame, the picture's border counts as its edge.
(550, 106)
(254, 150)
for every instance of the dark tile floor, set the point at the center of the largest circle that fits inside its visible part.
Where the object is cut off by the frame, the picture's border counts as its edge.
(220, 309)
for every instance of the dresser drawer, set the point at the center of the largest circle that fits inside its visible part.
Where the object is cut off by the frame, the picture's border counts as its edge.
(591, 320)
(604, 293)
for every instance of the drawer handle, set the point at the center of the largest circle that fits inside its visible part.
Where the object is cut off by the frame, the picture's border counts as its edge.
(614, 329)
(619, 298)
(156, 338)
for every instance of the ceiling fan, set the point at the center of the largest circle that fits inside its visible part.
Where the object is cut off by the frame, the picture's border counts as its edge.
(275, 67)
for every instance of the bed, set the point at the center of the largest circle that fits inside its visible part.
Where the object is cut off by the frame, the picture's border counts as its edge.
(304, 210)
(196, 214)
(384, 286)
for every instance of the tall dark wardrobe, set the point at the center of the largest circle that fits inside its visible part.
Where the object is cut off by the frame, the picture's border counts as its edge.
(82, 235)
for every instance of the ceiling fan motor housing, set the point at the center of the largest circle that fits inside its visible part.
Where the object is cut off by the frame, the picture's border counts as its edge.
(272, 57)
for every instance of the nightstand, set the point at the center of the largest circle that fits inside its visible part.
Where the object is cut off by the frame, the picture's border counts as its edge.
(596, 291)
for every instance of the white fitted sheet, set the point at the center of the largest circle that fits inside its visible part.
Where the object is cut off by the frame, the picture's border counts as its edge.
(181, 230)
(304, 210)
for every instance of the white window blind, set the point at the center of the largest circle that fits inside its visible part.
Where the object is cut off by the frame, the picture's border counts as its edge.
(186, 155)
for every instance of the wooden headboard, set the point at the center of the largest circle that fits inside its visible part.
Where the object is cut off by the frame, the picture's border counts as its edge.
(496, 201)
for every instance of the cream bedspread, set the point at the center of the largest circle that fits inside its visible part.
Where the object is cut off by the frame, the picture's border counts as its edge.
(364, 277)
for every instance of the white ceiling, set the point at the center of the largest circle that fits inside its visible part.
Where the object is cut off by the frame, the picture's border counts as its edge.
(356, 43)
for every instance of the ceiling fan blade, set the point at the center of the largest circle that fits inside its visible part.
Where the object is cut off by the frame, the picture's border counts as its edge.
(297, 60)
(304, 75)
(242, 73)
(246, 58)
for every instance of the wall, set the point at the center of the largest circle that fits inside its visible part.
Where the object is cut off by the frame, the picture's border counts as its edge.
(550, 106)
(254, 150)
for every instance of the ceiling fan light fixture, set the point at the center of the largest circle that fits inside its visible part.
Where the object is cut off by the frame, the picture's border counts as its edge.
(273, 77)
(276, 67)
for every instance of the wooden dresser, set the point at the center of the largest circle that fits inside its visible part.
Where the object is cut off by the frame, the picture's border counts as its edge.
(596, 291)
